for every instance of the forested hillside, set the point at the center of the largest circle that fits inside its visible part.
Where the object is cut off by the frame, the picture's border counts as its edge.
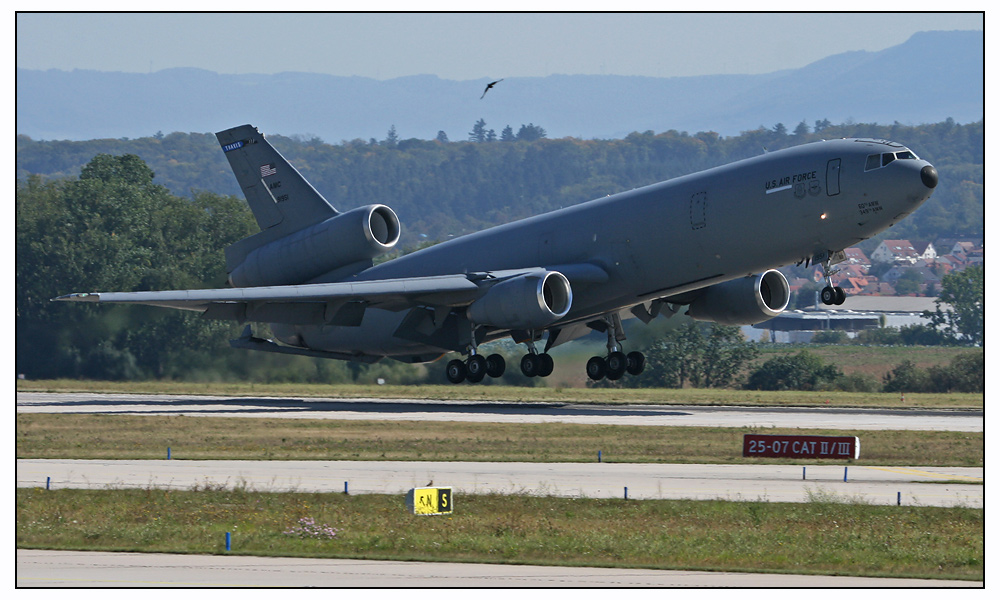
(441, 188)
(91, 216)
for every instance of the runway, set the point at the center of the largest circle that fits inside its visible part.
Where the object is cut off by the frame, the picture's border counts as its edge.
(41, 568)
(506, 412)
(877, 485)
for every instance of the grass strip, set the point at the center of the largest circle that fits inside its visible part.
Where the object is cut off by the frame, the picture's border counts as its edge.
(500, 393)
(818, 537)
(76, 436)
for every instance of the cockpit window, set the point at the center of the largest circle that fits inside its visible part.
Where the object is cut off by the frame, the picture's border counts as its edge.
(877, 161)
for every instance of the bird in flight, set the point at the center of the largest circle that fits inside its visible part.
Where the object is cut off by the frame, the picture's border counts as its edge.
(488, 86)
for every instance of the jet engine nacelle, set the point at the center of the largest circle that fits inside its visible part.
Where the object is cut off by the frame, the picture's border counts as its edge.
(528, 301)
(351, 237)
(742, 301)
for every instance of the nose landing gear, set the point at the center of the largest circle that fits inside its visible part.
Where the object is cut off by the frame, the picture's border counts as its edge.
(831, 294)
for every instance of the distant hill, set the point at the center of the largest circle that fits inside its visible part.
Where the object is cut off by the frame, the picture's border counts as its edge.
(927, 79)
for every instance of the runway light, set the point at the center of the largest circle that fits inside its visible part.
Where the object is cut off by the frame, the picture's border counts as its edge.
(822, 216)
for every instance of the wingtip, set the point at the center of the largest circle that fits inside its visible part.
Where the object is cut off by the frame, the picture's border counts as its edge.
(78, 297)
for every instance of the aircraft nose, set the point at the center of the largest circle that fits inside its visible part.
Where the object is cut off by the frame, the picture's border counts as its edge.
(929, 176)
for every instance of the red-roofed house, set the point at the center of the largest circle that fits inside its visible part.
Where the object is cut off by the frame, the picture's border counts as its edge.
(854, 256)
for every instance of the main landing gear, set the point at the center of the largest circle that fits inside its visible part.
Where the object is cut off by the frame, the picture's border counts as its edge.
(535, 363)
(539, 364)
(475, 368)
(617, 363)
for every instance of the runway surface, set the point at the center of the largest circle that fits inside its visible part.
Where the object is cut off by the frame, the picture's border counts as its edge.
(504, 412)
(40, 568)
(926, 486)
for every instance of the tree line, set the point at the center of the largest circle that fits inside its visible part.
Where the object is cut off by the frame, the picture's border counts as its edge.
(441, 188)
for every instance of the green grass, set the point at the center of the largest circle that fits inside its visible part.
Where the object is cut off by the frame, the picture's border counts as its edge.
(70, 436)
(874, 361)
(818, 537)
(498, 393)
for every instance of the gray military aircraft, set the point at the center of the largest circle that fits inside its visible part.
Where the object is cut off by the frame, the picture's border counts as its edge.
(709, 241)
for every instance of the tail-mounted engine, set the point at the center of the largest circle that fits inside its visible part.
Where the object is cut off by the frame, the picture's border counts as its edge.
(528, 301)
(348, 238)
(744, 301)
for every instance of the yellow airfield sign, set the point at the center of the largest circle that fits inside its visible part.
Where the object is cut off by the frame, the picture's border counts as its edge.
(429, 501)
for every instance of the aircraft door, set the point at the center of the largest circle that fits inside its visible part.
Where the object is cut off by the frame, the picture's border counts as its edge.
(833, 177)
(697, 209)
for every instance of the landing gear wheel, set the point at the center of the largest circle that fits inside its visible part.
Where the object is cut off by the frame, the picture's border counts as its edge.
(495, 365)
(840, 294)
(617, 364)
(828, 295)
(545, 364)
(475, 368)
(636, 363)
(596, 368)
(530, 365)
(455, 371)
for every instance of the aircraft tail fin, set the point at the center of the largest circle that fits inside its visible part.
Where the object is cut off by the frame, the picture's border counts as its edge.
(280, 198)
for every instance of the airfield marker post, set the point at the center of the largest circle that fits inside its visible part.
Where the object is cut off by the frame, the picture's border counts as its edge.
(899, 498)
(598, 456)
(803, 473)
(168, 452)
(345, 488)
(626, 492)
(48, 480)
(845, 474)
(229, 541)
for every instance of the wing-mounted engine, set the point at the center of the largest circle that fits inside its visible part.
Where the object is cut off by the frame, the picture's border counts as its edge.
(743, 301)
(528, 301)
(350, 238)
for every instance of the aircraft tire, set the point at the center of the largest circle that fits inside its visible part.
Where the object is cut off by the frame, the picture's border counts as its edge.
(495, 365)
(475, 368)
(455, 371)
(617, 365)
(596, 368)
(636, 363)
(530, 365)
(545, 366)
(828, 295)
(841, 295)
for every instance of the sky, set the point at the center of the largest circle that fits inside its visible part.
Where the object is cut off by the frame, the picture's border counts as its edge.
(463, 46)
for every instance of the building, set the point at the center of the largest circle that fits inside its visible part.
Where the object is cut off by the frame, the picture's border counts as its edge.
(925, 250)
(895, 251)
(854, 256)
(855, 314)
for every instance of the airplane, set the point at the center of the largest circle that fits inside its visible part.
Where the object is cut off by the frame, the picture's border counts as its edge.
(710, 241)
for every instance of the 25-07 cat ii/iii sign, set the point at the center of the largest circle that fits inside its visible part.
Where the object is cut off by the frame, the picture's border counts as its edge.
(801, 446)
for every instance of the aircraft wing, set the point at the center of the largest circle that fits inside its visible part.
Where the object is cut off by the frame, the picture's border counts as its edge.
(300, 303)
(339, 303)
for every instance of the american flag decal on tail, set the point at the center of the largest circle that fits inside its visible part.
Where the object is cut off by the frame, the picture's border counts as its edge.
(266, 170)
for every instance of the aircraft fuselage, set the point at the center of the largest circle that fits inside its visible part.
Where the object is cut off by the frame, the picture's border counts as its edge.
(669, 238)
